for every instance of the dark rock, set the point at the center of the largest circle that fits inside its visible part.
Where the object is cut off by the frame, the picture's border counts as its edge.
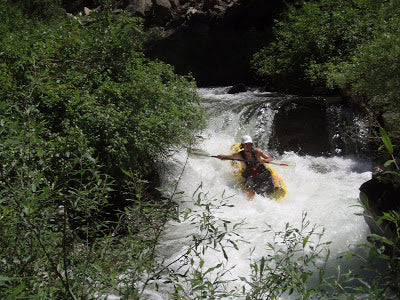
(382, 196)
(175, 4)
(237, 88)
(139, 7)
(163, 3)
(161, 12)
(379, 195)
(215, 40)
(199, 21)
(301, 126)
(210, 4)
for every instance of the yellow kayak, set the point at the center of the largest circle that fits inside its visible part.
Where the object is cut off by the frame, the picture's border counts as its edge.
(278, 191)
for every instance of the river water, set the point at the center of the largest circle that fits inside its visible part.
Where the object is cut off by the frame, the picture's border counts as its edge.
(325, 189)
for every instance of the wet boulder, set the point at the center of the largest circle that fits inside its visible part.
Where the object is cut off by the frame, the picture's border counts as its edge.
(237, 88)
(139, 7)
(161, 11)
(379, 195)
(301, 125)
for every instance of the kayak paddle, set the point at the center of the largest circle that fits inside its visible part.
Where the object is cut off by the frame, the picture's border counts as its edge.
(200, 152)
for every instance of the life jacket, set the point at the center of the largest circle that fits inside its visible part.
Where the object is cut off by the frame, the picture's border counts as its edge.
(253, 168)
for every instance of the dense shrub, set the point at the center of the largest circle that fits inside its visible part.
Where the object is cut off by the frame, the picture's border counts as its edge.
(88, 73)
(348, 44)
(81, 108)
(316, 32)
(372, 71)
(44, 10)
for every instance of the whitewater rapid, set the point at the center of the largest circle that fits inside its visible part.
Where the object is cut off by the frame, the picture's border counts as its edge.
(326, 189)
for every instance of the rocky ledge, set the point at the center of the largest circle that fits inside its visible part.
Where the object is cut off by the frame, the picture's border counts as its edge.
(214, 40)
(380, 195)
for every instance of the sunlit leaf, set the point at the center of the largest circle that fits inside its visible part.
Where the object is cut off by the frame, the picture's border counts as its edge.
(386, 140)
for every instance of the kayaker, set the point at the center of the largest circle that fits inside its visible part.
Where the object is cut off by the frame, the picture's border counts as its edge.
(256, 176)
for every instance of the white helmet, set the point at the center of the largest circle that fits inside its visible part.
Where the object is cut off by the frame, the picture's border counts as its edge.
(246, 139)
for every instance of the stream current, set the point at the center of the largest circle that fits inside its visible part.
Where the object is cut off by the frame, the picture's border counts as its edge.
(325, 188)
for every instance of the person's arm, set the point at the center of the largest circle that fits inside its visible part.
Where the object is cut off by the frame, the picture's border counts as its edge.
(262, 157)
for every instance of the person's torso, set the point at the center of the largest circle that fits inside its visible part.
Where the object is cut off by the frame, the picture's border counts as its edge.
(251, 166)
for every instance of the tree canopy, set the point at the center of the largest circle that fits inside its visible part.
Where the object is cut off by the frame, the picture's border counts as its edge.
(352, 45)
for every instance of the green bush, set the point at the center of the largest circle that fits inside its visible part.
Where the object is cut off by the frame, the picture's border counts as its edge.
(313, 34)
(52, 193)
(79, 105)
(352, 45)
(44, 10)
(372, 70)
(89, 73)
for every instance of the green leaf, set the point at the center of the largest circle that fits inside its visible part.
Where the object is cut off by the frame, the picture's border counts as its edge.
(305, 241)
(243, 279)
(213, 268)
(6, 210)
(386, 140)
(18, 290)
(234, 244)
(126, 173)
(372, 253)
(387, 241)
(262, 265)
(349, 255)
(201, 263)
(224, 252)
(388, 163)
(394, 173)
(178, 287)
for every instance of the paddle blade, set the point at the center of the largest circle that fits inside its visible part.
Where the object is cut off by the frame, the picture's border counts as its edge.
(282, 163)
(198, 152)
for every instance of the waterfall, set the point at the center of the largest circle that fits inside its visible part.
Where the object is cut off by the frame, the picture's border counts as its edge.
(325, 188)
(348, 131)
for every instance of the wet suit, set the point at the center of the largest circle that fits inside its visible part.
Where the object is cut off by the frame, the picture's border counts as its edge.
(257, 177)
